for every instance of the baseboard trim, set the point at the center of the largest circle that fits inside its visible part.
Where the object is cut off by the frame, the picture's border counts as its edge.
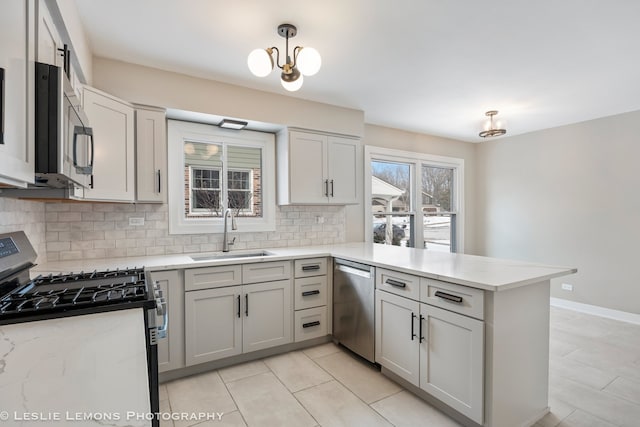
(622, 316)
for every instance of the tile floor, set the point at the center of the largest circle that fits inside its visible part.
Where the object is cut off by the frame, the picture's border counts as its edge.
(594, 381)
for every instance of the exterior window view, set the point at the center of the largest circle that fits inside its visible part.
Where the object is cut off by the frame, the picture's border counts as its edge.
(211, 186)
(394, 213)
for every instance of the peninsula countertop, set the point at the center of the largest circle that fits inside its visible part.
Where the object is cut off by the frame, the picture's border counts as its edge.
(491, 274)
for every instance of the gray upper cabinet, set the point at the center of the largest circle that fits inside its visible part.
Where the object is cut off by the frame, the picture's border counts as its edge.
(17, 54)
(151, 155)
(112, 120)
(317, 169)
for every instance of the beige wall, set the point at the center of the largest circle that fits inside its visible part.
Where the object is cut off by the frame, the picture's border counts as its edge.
(567, 196)
(152, 86)
(408, 141)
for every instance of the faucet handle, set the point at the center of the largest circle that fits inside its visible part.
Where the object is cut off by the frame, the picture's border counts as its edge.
(232, 241)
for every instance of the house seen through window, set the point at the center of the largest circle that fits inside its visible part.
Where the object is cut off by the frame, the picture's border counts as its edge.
(212, 170)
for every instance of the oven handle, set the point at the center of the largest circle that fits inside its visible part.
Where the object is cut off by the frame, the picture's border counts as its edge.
(161, 308)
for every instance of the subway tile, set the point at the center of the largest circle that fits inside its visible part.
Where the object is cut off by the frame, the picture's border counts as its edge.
(93, 216)
(135, 251)
(70, 255)
(58, 246)
(81, 226)
(114, 216)
(69, 216)
(104, 207)
(58, 226)
(104, 225)
(155, 250)
(93, 235)
(136, 234)
(115, 234)
(94, 253)
(57, 207)
(104, 244)
(79, 245)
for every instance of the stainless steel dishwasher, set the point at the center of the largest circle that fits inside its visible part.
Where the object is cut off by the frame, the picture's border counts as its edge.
(353, 307)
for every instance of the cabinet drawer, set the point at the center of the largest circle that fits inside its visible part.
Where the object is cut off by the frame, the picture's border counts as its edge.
(310, 292)
(212, 277)
(266, 271)
(310, 267)
(398, 283)
(310, 323)
(450, 296)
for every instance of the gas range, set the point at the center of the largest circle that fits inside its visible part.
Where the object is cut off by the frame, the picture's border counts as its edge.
(65, 294)
(60, 295)
(81, 297)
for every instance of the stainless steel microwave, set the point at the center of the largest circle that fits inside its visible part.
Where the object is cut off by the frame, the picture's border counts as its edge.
(64, 148)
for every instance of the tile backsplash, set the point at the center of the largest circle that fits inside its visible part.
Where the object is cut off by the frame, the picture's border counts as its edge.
(27, 216)
(98, 230)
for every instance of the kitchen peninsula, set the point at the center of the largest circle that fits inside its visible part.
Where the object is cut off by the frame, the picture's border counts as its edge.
(509, 300)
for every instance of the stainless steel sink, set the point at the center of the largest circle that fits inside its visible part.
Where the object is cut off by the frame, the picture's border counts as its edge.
(230, 255)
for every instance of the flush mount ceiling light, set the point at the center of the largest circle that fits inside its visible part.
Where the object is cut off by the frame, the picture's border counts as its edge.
(232, 124)
(490, 130)
(306, 61)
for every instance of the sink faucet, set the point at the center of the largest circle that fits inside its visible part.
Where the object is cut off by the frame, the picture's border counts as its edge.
(226, 243)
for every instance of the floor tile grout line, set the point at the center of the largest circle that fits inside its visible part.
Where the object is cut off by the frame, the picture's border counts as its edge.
(233, 399)
(293, 395)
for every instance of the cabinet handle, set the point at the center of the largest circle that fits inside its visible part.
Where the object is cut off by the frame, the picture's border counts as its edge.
(453, 298)
(238, 306)
(326, 188)
(420, 328)
(310, 324)
(159, 181)
(413, 331)
(331, 188)
(309, 293)
(246, 305)
(1, 105)
(396, 283)
(311, 267)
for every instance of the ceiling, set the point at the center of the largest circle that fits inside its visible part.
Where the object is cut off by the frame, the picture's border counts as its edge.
(428, 66)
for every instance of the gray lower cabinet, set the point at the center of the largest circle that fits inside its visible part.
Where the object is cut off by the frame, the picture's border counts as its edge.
(227, 321)
(171, 349)
(440, 351)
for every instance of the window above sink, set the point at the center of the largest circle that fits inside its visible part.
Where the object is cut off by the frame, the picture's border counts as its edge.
(212, 169)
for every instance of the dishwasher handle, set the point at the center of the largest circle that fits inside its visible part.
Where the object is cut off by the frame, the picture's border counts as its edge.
(351, 270)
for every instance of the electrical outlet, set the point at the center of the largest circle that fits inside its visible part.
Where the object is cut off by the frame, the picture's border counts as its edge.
(567, 287)
(319, 219)
(136, 221)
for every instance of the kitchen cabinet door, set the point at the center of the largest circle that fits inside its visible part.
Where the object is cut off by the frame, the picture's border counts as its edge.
(151, 155)
(452, 360)
(213, 324)
(112, 121)
(49, 40)
(318, 169)
(17, 54)
(308, 168)
(171, 348)
(397, 339)
(343, 170)
(267, 315)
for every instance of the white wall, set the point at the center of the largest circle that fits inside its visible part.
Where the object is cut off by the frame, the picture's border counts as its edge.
(144, 85)
(567, 196)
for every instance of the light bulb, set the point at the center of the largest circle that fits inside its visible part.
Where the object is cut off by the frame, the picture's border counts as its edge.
(189, 148)
(260, 62)
(292, 86)
(308, 61)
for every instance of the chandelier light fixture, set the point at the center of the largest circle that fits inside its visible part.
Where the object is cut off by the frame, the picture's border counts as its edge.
(490, 128)
(306, 61)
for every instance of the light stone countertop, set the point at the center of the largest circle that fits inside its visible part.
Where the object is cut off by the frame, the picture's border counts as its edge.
(490, 274)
